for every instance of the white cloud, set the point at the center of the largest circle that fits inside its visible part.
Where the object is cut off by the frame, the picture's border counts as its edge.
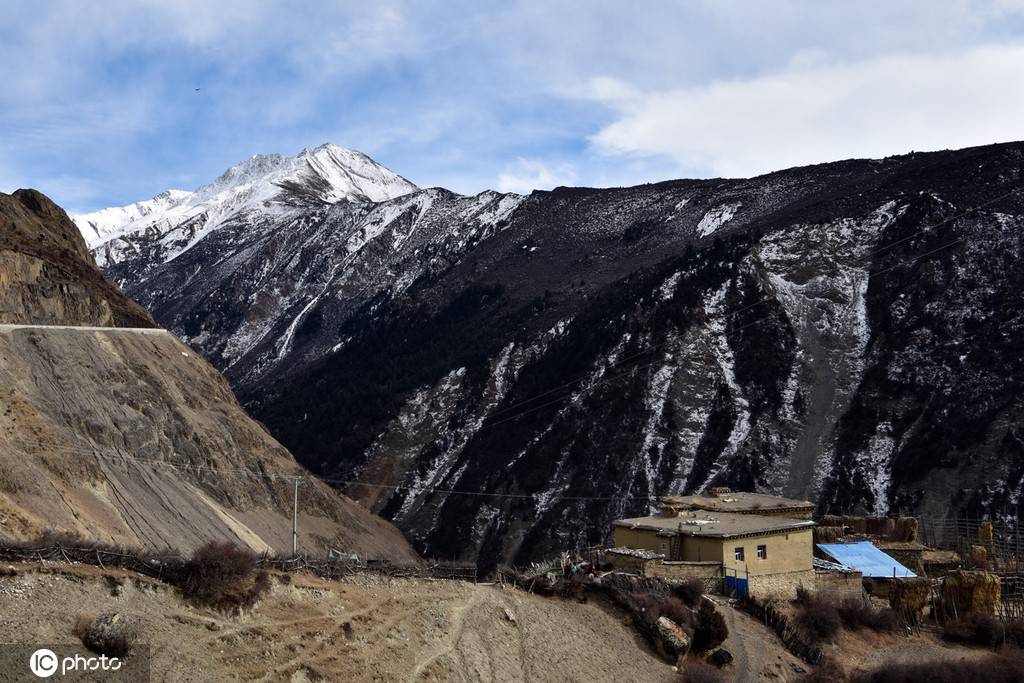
(808, 114)
(532, 174)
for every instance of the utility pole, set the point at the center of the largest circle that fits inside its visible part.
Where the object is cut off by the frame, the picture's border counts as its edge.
(295, 520)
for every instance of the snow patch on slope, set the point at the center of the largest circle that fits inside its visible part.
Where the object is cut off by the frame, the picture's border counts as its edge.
(716, 218)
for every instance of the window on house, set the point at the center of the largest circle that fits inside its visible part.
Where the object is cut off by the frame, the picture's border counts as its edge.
(738, 554)
(762, 552)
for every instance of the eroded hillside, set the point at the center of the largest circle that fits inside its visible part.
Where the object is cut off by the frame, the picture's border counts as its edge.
(127, 435)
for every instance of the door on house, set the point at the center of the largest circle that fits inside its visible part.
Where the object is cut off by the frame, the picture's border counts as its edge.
(735, 584)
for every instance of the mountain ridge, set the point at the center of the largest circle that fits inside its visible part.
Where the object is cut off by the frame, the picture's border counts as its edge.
(796, 331)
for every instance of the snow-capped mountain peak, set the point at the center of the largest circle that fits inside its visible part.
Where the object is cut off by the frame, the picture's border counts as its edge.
(99, 226)
(263, 183)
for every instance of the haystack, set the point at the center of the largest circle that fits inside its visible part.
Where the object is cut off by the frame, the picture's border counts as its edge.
(880, 526)
(967, 592)
(908, 598)
(979, 556)
(905, 529)
(985, 535)
(828, 534)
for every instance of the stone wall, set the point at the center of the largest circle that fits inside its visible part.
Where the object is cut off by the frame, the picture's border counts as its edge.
(781, 585)
(626, 563)
(676, 571)
(843, 584)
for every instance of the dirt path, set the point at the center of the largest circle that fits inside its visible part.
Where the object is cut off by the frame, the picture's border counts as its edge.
(358, 629)
(758, 654)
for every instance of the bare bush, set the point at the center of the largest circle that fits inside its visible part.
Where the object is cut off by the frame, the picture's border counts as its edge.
(828, 670)
(689, 591)
(984, 630)
(110, 633)
(222, 575)
(711, 630)
(856, 613)
(819, 620)
(821, 616)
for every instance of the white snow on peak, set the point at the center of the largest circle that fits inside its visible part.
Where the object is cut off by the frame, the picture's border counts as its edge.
(265, 183)
(98, 226)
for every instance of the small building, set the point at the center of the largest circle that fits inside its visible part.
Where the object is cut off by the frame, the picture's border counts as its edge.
(762, 555)
(739, 502)
(866, 558)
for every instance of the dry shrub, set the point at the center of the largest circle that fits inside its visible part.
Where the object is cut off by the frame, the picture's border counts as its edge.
(1005, 667)
(699, 671)
(110, 633)
(711, 630)
(819, 620)
(856, 614)
(649, 607)
(222, 575)
(821, 616)
(689, 591)
(984, 630)
(828, 670)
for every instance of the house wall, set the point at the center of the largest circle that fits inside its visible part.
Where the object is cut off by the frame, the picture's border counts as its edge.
(788, 552)
(697, 549)
(645, 539)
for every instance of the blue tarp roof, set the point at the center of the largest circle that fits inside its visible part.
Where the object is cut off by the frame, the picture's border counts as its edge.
(865, 558)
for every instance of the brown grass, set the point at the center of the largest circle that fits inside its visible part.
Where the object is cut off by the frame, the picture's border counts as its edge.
(699, 671)
(821, 616)
(1005, 667)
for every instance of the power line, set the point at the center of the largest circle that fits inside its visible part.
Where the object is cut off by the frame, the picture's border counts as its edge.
(189, 467)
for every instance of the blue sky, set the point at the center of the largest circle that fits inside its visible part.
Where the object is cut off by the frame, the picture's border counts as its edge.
(98, 105)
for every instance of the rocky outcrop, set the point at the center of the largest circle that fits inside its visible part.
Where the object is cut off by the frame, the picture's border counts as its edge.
(47, 275)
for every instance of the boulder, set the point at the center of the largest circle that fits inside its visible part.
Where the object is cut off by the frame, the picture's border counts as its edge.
(673, 638)
(720, 657)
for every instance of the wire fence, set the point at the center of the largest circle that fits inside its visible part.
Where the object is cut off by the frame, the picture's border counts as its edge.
(1002, 540)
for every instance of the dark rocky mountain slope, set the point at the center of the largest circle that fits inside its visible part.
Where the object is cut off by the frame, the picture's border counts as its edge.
(111, 428)
(847, 331)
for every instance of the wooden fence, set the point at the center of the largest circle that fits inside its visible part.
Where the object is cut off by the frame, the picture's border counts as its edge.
(791, 636)
(157, 565)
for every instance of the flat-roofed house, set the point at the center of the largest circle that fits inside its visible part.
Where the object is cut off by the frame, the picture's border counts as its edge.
(741, 503)
(762, 555)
